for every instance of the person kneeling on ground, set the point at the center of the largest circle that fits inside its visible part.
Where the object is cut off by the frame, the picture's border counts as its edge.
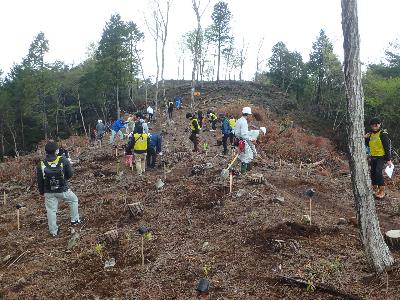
(139, 143)
(380, 150)
(53, 173)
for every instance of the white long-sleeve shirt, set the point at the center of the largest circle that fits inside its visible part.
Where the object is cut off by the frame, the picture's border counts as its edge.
(150, 110)
(242, 128)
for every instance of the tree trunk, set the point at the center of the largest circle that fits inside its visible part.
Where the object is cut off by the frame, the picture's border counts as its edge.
(376, 251)
(80, 111)
(22, 130)
(219, 58)
(118, 108)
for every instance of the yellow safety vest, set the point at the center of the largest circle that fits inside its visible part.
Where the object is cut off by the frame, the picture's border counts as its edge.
(375, 144)
(232, 123)
(213, 117)
(140, 141)
(191, 124)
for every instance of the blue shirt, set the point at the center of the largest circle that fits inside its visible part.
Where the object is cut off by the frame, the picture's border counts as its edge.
(118, 124)
(155, 141)
(226, 128)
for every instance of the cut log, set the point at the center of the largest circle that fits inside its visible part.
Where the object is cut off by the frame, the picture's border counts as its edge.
(392, 238)
(136, 209)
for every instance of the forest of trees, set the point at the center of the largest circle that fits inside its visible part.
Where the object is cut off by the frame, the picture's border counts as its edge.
(41, 99)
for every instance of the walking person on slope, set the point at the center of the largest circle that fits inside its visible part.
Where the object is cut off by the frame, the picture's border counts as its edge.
(170, 108)
(213, 120)
(150, 113)
(53, 173)
(194, 130)
(232, 123)
(116, 128)
(154, 149)
(139, 143)
(100, 130)
(380, 150)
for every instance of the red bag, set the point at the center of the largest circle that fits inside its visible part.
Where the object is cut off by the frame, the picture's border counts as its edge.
(242, 143)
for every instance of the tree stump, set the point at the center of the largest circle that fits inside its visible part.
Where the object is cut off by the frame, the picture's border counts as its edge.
(392, 238)
(136, 209)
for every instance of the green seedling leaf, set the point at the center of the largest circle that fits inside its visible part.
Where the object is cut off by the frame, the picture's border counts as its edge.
(147, 236)
(98, 248)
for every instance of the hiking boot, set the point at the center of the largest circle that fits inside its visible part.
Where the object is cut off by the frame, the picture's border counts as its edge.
(381, 192)
(78, 222)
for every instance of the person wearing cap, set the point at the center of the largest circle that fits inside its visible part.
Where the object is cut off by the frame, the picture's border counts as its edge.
(380, 153)
(100, 129)
(53, 173)
(116, 128)
(246, 140)
(194, 130)
(226, 131)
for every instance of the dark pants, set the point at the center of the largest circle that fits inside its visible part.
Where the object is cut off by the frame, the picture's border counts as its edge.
(195, 141)
(201, 122)
(377, 164)
(225, 143)
(151, 157)
(214, 124)
(231, 136)
(170, 113)
(150, 117)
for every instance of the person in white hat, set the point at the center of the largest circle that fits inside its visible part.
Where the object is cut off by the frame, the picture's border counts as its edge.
(247, 139)
(100, 129)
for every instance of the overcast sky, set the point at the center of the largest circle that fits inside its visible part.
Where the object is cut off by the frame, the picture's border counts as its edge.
(70, 26)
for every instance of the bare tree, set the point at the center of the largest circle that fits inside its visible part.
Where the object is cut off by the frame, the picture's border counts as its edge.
(259, 62)
(376, 251)
(243, 57)
(197, 52)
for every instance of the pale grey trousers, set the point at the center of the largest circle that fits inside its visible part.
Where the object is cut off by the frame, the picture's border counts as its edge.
(51, 201)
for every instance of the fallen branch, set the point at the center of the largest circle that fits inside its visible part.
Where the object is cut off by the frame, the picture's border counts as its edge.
(18, 258)
(320, 287)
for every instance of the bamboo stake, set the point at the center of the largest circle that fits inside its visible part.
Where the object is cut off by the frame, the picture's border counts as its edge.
(230, 183)
(116, 152)
(165, 172)
(18, 219)
(4, 198)
(142, 251)
(310, 210)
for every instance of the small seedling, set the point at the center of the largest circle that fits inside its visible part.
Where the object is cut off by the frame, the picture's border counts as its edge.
(146, 236)
(310, 286)
(99, 249)
(206, 269)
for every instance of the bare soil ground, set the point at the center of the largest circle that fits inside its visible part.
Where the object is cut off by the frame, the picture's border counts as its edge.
(245, 242)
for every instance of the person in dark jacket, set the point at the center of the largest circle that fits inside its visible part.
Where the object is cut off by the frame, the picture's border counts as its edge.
(154, 149)
(380, 151)
(226, 131)
(200, 118)
(100, 130)
(53, 173)
(195, 130)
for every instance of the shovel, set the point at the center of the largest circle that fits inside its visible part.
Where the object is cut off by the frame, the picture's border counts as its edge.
(225, 172)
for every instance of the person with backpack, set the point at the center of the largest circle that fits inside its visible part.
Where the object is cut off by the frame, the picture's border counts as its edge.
(139, 143)
(116, 128)
(140, 124)
(170, 108)
(226, 131)
(380, 154)
(154, 149)
(200, 117)
(53, 173)
(195, 130)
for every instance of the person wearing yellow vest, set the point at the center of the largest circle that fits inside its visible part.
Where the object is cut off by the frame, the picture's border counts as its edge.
(232, 123)
(380, 150)
(194, 127)
(139, 142)
(213, 120)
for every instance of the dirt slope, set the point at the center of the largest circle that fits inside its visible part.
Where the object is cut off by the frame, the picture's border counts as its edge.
(245, 241)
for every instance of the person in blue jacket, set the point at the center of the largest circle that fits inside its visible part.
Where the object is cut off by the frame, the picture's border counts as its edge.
(178, 102)
(226, 131)
(116, 128)
(154, 149)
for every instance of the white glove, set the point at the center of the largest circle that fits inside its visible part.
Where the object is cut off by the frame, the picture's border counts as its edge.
(160, 153)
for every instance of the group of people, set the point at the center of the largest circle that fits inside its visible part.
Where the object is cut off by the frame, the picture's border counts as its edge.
(238, 133)
(55, 169)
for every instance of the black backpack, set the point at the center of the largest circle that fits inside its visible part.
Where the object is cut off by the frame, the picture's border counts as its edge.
(138, 127)
(53, 175)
